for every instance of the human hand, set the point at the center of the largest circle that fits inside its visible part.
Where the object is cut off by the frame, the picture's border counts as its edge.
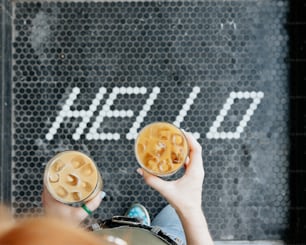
(74, 215)
(186, 192)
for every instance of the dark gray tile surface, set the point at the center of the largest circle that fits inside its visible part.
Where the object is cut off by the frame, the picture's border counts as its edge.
(202, 49)
(5, 100)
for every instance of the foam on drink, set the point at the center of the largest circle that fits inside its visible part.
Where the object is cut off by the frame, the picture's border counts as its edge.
(161, 148)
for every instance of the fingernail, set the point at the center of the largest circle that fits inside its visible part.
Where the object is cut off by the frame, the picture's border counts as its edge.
(140, 171)
(103, 194)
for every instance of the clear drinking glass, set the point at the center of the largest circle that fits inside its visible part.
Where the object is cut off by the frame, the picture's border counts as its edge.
(161, 148)
(72, 177)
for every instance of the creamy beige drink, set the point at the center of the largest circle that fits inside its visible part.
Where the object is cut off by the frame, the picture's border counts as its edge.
(72, 177)
(161, 148)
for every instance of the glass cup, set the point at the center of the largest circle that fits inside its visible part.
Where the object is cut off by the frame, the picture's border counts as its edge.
(72, 177)
(161, 148)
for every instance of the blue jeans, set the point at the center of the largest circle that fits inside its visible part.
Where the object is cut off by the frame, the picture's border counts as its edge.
(168, 221)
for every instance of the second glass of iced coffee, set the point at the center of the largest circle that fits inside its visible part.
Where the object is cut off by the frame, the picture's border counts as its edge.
(72, 177)
(161, 148)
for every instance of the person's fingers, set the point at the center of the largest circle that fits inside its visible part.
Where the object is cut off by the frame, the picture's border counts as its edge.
(195, 157)
(47, 199)
(187, 162)
(153, 181)
(194, 145)
(43, 194)
(92, 205)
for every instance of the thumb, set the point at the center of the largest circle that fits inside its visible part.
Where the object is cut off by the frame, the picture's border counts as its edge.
(152, 180)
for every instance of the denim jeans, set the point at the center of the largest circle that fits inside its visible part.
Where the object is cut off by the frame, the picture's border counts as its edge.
(168, 221)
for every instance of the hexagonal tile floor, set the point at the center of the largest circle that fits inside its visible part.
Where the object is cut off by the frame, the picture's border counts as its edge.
(89, 75)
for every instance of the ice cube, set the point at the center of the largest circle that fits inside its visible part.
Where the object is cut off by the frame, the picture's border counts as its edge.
(72, 180)
(177, 139)
(153, 165)
(87, 170)
(176, 157)
(151, 162)
(87, 186)
(164, 134)
(61, 191)
(147, 158)
(164, 166)
(54, 178)
(77, 162)
(151, 133)
(141, 148)
(58, 166)
(77, 196)
(159, 148)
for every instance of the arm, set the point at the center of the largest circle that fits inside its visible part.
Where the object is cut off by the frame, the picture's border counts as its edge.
(185, 195)
(195, 227)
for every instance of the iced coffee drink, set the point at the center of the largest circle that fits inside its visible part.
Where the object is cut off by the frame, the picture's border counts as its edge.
(72, 177)
(161, 148)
